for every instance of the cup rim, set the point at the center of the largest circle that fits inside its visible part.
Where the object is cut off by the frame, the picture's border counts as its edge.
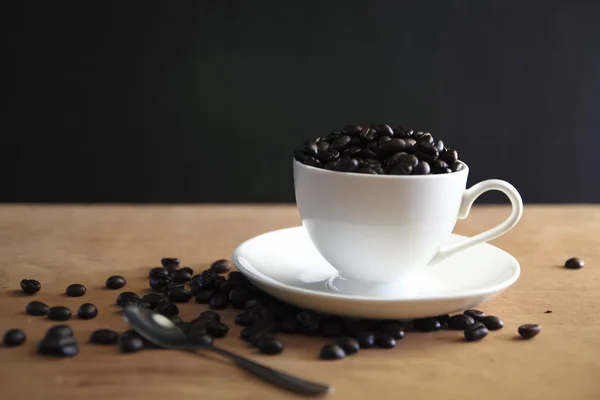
(465, 170)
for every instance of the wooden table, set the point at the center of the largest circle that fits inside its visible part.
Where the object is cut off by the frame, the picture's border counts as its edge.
(59, 245)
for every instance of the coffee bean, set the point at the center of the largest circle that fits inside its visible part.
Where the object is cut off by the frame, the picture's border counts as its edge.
(158, 284)
(218, 301)
(313, 162)
(59, 332)
(115, 282)
(340, 142)
(203, 296)
(311, 148)
(59, 313)
(475, 314)
(458, 166)
(58, 347)
(492, 323)
(400, 169)
(222, 285)
(201, 339)
(422, 168)
(528, 331)
(179, 295)
(368, 171)
(347, 164)
(439, 145)
(350, 345)
(476, 331)
(308, 324)
(351, 130)
(199, 326)
(13, 337)
(75, 290)
(36, 308)
(269, 345)
(104, 336)
(449, 156)
(167, 288)
(182, 275)
(426, 152)
(392, 146)
(236, 278)
(131, 344)
(443, 319)
(393, 328)
(243, 319)
(87, 311)
(254, 333)
(574, 263)
(170, 262)
(238, 297)
(221, 266)
(366, 340)
(217, 329)
(332, 351)
(408, 159)
(290, 325)
(548, 312)
(153, 299)
(30, 286)
(425, 138)
(384, 340)
(210, 316)
(460, 322)
(410, 142)
(427, 324)
(159, 272)
(439, 167)
(384, 130)
(331, 327)
(127, 297)
(167, 309)
(329, 155)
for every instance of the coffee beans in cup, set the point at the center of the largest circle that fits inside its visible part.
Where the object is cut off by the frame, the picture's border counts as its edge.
(379, 150)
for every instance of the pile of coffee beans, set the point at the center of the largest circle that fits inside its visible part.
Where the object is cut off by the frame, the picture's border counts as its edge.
(380, 149)
(262, 317)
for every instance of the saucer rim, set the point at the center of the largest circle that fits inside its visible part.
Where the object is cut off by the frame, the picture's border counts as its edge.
(264, 280)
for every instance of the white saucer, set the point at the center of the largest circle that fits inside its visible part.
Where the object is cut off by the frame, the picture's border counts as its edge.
(286, 265)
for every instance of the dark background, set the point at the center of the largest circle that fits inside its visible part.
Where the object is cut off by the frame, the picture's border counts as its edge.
(204, 101)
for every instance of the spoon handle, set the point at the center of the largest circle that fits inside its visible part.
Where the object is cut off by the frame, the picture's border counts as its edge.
(278, 378)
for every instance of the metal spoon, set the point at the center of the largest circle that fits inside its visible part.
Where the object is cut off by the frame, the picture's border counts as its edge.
(159, 330)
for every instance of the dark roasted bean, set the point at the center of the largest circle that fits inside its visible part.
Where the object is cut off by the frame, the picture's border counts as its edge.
(389, 147)
(36, 308)
(460, 321)
(492, 323)
(13, 337)
(449, 156)
(243, 319)
(59, 332)
(329, 155)
(439, 145)
(322, 145)
(331, 327)
(202, 281)
(313, 162)
(238, 297)
(426, 152)
(367, 134)
(458, 166)
(290, 325)
(87, 311)
(236, 278)
(528, 331)
(182, 275)
(425, 138)
(203, 296)
(475, 314)
(30, 286)
(439, 167)
(167, 309)
(218, 301)
(223, 286)
(443, 319)
(400, 169)
(332, 351)
(393, 328)
(351, 130)
(131, 344)
(153, 299)
(217, 329)
(368, 171)
(384, 340)
(422, 168)
(269, 345)
(170, 262)
(158, 272)
(210, 316)
(311, 148)
(475, 332)
(340, 142)
(59, 313)
(350, 345)
(104, 336)
(179, 295)
(115, 282)
(221, 266)
(167, 288)
(574, 263)
(366, 340)
(308, 324)
(427, 324)
(385, 130)
(347, 164)
(158, 284)
(58, 347)
(125, 298)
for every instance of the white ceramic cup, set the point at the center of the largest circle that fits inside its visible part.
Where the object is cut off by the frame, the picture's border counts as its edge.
(376, 228)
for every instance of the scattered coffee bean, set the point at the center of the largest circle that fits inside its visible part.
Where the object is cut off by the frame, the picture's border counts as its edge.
(443, 319)
(574, 263)
(179, 295)
(269, 345)
(59, 313)
(210, 316)
(167, 309)
(350, 345)
(332, 351)
(366, 340)
(528, 331)
(115, 282)
(126, 298)
(13, 337)
(548, 312)
(182, 275)
(36, 308)
(198, 326)
(130, 344)
(460, 321)
(222, 285)
(104, 336)
(153, 299)
(384, 340)
(203, 296)
(427, 324)
(476, 331)
(475, 314)
(290, 325)
(159, 272)
(238, 297)
(331, 327)
(30, 286)
(200, 282)
(221, 266)
(236, 278)
(75, 290)
(393, 328)
(59, 332)
(492, 323)
(170, 263)
(217, 329)
(167, 288)
(218, 301)
(87, 311)
(158, 284)
(308, 323)
(243, 319)
(58, 347)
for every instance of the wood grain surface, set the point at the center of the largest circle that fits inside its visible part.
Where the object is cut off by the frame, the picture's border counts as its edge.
(59, 245)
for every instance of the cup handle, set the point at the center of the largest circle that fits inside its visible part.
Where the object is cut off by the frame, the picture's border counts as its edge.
(469, 196)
